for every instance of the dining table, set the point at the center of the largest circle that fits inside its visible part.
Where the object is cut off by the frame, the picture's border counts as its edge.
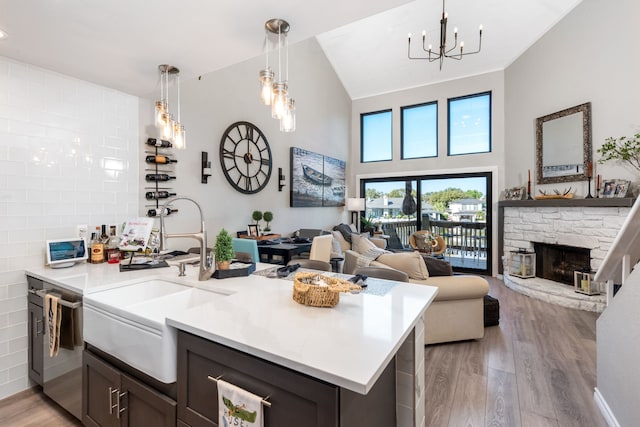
(284, 250)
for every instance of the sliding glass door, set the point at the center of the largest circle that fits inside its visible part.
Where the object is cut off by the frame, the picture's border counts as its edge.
(453, 207)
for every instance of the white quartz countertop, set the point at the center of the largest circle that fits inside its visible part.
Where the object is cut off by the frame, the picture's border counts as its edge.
(348, 345)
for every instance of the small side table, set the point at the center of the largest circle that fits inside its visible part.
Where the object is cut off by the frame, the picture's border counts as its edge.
(335, 263)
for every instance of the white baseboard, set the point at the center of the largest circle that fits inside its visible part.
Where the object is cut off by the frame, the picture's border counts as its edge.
(604, 409)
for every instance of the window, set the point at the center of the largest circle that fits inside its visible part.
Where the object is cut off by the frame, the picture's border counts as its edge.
(375, 136)
(470, 124)
(419, 124)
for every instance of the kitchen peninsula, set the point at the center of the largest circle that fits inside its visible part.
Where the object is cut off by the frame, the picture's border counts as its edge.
(363, 354)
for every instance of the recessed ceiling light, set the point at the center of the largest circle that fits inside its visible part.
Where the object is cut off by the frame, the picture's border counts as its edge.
(3, 34)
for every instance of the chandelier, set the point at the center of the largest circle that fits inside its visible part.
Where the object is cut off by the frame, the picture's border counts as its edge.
(274, 86)
(443, 51)
(169, 126)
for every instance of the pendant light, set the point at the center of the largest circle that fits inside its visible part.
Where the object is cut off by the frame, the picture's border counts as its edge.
(275, 93)
(169, 128)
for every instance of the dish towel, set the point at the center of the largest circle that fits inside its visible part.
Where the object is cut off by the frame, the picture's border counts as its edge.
(238, 407)
(53, 315)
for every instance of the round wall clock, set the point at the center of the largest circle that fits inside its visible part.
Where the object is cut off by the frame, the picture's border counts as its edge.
(245, 157)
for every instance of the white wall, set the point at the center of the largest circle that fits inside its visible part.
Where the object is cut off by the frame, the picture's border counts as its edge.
(68, 155)
(491, 162)
(216, 100)
(588, 56)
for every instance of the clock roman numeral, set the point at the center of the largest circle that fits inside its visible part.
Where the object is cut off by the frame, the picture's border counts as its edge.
(228, 154)
(249, 134)
(247, 183)
(265, 161)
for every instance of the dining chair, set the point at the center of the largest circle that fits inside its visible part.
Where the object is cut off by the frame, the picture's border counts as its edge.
(312, 264)
(321, 248)
(249, 246)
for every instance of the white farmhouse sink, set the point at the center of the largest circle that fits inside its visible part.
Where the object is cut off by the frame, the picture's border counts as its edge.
(128, 322)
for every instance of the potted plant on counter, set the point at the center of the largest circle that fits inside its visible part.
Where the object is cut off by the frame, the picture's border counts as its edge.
(224, 250)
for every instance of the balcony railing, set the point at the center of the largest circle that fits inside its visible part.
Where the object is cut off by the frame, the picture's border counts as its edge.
(462, 238)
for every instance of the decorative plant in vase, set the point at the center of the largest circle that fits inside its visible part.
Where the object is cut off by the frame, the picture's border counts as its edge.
(623, 149)
(268, 217)
(367, 225)
(224, 250)
(257, 217)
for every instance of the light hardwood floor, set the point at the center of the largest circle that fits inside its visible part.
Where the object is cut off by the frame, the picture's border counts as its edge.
(537, 368)
(31, 408)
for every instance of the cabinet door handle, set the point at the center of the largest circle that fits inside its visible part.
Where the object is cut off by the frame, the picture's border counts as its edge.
(112, 406)
(37, 331)
(120, 410)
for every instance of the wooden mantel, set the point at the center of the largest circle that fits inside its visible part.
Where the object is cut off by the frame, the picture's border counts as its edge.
(603, 202)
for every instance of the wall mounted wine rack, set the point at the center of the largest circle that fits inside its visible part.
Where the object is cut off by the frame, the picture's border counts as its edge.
(159, 172)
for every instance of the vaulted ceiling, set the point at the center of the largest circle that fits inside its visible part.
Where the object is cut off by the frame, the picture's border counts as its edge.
(120, 43)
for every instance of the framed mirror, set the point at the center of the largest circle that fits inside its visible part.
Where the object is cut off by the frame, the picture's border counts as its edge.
(563, 145)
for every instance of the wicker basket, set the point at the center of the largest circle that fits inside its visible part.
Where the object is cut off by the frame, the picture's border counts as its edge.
(306, 291)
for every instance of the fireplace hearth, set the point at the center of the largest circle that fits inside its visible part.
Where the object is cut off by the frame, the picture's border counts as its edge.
(559, 262)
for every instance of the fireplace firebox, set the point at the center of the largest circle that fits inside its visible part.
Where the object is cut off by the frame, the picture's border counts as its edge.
(559, 262)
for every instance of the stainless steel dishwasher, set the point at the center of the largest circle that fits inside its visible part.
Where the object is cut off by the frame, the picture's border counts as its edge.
(60, 376)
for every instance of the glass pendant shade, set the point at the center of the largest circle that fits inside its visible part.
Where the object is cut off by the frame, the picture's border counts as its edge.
(179, 137)
(279, 101)
(288, 120)
(158, 113)
(167, 129)
(266, 85)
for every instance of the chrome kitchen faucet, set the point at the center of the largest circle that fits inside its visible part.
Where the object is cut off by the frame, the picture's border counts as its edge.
(206, 260)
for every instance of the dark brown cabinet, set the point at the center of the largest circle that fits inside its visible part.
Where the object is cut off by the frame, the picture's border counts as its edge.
(113, 398)
(36, 330)
(296, 399)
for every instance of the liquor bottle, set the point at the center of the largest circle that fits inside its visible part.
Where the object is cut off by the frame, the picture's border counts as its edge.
(159, 143)
(111, 247)
(97, 248)
(159, 177)
(155, 195)
(156, 212)
(162, 160)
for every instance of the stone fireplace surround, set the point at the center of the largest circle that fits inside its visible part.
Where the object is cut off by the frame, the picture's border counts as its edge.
(586, 223)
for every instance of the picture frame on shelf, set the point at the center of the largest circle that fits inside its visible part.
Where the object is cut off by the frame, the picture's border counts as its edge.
(622, 186)
(253, 230)
(608, 188)
(515, 193)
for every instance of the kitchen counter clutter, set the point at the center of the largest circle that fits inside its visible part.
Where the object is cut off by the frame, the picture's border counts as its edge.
(138, 317)
(347, 345)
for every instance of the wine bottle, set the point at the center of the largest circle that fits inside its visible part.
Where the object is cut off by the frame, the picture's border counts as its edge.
(157, 212)
(97, 248)
(163, 160)
(154, 195)
(159, 143)
(159, 177)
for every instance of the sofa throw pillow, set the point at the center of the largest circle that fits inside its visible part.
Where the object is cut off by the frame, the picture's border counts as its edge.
(437, 267)
(344, 245)
(361, 244)
(336, 248)
(423, 241)
(409, 262)
(345, 230)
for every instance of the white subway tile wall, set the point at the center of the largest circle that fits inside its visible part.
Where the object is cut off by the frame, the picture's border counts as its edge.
(68, 156)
